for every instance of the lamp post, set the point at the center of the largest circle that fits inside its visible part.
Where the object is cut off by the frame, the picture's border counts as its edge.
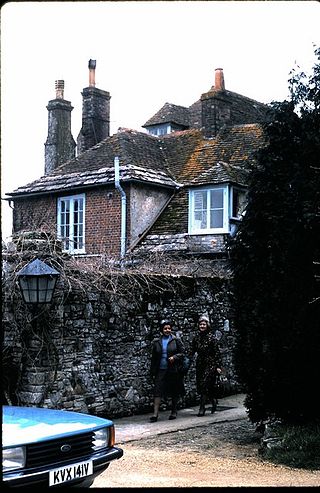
(37, 282)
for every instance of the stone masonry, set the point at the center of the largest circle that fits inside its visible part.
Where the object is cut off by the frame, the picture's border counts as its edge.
(89, 351)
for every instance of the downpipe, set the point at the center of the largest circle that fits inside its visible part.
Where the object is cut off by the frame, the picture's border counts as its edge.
(123, 207)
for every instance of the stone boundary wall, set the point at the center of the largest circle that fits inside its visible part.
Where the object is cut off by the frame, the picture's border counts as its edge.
(90, 350)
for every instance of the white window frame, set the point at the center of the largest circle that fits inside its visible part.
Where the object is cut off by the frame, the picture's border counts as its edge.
(193, 228)
(160, 130)
(72, 199)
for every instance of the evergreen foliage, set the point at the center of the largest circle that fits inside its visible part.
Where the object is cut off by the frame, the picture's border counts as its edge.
(275, 257)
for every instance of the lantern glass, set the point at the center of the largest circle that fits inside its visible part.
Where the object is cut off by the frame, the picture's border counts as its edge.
(37, 282)
(28, 287)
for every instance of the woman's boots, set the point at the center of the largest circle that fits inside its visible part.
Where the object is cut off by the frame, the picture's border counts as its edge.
(202, 407)
(214, 405)
(156, 406)
(173, 414)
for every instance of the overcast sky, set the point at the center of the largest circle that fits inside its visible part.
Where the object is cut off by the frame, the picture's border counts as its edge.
(148, 53)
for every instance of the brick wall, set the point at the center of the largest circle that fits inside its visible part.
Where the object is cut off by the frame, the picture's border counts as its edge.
(103, 218)
(32, 214)
(103, 221)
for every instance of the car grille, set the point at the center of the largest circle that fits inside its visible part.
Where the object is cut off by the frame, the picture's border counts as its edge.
(49, 452)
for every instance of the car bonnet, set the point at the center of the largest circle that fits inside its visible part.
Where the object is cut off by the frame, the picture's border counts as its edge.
(23, 425)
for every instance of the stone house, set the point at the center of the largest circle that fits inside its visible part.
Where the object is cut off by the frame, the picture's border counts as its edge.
(159, 205)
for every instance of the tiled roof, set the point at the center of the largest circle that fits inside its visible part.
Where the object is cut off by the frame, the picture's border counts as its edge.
(170, 113)
(233, 96)
(194, 160)
(140, 157)
(180, 158)
(195, 114)
(133, 148)
(191, 117)
(200, 161)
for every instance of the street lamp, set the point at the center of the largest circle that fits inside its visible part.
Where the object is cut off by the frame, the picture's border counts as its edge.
(37, 282)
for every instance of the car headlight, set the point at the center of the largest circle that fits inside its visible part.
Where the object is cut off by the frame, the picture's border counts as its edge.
(100, 439)
(13, 458)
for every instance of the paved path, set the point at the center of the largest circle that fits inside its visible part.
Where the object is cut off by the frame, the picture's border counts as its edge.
(132, 428)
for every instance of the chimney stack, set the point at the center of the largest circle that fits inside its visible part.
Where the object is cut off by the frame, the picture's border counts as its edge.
(219, 80)
(95, 113)
(215, 107)
(92, 73)
(60, 145)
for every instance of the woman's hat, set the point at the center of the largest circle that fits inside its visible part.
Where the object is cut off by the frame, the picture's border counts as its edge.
(204, 318)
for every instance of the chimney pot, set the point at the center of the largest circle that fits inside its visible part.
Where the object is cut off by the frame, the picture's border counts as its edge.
(92, 68)
(219, 80)
(59, 89)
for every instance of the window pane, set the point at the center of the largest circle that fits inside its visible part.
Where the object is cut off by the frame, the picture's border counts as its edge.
(216, 218)
(216, 198)
(200, 210)
(200, 200)
(65, 206)
(64, 222)
(200, 219)
(216, 208)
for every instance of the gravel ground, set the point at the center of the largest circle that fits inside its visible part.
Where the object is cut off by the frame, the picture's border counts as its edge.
(220, 454)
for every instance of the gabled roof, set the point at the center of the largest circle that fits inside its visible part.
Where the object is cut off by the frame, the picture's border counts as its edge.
(170, 113)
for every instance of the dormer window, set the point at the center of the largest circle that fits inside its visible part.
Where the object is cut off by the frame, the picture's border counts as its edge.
(208, 210)
(211, 208)
(160, 129)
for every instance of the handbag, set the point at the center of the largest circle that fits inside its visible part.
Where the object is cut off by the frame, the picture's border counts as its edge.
(186, 363)
(222, 385)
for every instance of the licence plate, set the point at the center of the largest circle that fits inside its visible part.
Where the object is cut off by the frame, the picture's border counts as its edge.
(68, 473)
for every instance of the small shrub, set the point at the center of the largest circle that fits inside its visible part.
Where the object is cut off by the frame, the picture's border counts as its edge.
(296, 446)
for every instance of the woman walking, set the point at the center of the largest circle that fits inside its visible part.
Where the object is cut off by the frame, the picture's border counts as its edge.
(166, 360)
(208, 364)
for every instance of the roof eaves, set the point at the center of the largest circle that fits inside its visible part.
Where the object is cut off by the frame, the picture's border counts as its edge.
(97, 178)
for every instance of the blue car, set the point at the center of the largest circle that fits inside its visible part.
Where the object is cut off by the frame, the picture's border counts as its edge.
(47, 447)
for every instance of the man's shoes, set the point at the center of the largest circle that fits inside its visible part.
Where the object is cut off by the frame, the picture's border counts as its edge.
(153, 419)
(172, 416)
